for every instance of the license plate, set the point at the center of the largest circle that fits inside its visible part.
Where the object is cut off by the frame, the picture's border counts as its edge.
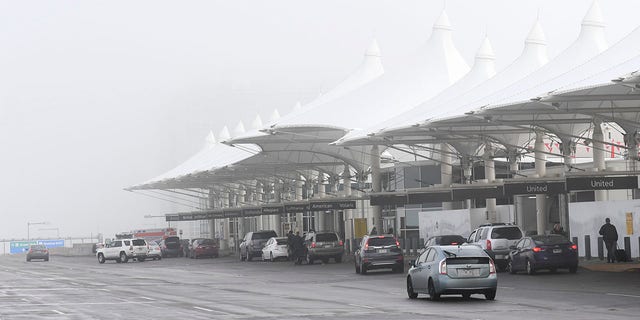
(327, 246)
(468, 272)
(383, 250)
(557, 250)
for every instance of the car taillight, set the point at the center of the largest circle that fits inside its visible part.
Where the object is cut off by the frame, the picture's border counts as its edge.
(313, 244)
(380, 237)
(537, 249)
(443, 266)
(488, 244)
(454, 243)
(574, 247)
(46, 251)
(341, 243)
(397, 243)
(366, 246)
(492, 266)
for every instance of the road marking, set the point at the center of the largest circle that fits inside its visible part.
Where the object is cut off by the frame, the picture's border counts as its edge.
(147, 298)
(508, 288)
(74, 284)
(623, 295)
(58, 312)
(204, 309)
(361, 306)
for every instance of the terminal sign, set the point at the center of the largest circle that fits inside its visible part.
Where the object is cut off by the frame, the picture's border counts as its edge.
(511, 189)
(602, 183)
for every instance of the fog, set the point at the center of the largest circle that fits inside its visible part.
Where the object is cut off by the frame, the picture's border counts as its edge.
(96, 96)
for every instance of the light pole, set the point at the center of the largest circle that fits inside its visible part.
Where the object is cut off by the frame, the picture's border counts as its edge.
(29, 224)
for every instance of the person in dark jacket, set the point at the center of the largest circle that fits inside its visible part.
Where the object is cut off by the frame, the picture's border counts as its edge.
(610, 236)
(298, 248)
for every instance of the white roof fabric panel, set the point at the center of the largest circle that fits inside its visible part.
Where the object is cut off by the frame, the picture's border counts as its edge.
(437, 65)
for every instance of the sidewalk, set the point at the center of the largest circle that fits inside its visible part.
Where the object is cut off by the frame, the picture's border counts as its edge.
(596, 264)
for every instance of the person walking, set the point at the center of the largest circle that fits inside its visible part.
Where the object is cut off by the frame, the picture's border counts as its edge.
(610, 236)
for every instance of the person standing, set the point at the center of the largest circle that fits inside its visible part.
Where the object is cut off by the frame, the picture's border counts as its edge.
(610, 236)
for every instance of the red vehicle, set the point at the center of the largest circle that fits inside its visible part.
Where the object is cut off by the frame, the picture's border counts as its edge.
(204, 248)
(157, 234)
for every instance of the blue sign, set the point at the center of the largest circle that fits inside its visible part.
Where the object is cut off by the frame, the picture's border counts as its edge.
(23, 246)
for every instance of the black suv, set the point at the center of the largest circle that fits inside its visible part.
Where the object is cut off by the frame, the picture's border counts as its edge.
(379, 252)
(323, 246)
(253, 243)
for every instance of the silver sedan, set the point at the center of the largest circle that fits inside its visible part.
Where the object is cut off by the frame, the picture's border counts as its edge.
(462, 269)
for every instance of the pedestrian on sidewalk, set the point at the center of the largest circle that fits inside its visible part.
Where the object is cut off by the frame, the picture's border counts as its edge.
(610, 236)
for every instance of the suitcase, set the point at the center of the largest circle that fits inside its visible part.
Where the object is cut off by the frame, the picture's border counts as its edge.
(621, 255)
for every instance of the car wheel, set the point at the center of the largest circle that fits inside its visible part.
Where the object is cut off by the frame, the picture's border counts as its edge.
(249, 257)
(573, 269)
(490, 295)
(123, 257)
(309, 259)
(141, 259)
(363, 269)
(357, 267)
(46, 259)
(466, 296)
(553, 270)
(432, 291)
(325, 260)
(159, 258)
(530, 269)
(101, 258)
(338, 259)
(510, 267)
(271, 256)
(412, 294)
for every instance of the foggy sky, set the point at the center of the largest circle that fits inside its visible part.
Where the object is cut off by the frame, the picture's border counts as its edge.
(96, 96)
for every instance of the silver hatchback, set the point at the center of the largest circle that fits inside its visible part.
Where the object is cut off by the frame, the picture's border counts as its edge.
(462, 269)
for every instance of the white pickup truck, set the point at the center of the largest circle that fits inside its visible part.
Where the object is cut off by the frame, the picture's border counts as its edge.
(122, 250)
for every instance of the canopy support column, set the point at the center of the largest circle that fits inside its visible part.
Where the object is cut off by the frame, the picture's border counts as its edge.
(348, 213)
(598, 157)
(568, 150)
(541, 171)
(322, 193)
(376, 186)
(299, 215)
(446, 171)
(490, 175)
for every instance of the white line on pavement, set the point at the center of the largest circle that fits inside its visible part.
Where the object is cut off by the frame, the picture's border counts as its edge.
(623, 295)
(203, 309)
(361, 306)
(58, 312)
(147, 298)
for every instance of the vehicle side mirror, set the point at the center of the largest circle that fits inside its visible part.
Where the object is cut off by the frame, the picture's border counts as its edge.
(412, 263)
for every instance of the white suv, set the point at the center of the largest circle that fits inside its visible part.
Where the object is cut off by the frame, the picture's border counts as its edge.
(496, 239)
(122, 250)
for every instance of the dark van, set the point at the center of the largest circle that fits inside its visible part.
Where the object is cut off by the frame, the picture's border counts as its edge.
(171, 247)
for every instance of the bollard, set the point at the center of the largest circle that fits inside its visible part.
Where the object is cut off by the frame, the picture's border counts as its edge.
(587, 247)
(627, 247)
(600, 248)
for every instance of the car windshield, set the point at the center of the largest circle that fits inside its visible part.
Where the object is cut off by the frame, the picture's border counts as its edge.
(509, 233)
(381, 241)
(453, 239)
(139, 242)
(326, 237)
(263, 235)
(38, 247)
(208, 242)
(549, 240)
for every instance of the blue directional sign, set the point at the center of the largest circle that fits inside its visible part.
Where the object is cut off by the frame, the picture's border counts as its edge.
(23, 246)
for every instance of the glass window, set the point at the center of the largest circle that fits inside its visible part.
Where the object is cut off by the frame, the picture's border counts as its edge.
(510, 233)
(326, 237)
(472, 236)
(282, 241)
(520, 244)
(381, 241)
(485, 231)
(550, 240)
(117, 244)
(432, 255)
(423, 256)
(139, 242)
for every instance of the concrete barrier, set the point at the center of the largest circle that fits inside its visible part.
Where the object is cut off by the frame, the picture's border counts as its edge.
(78, 249)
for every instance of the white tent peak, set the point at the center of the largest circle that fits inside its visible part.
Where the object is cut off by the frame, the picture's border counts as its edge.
(593, 16)
(373, 50)
(442, 22)
(486, 51)
(224, 134)
(275, 116)
(297, 107)
(239, 129)
(210, 139)
(257, 123)
(536, 35)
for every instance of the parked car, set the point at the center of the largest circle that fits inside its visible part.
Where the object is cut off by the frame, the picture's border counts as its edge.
(204, 248)
(323, 246)
(122, 250)
(171, 247)
(445, 240)
(38, 251)
(496, 239)
(379, 252)
(253, 243)
(154, 251)
(275, 248)
(442, 270)
(190, 247)
(549, 252)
